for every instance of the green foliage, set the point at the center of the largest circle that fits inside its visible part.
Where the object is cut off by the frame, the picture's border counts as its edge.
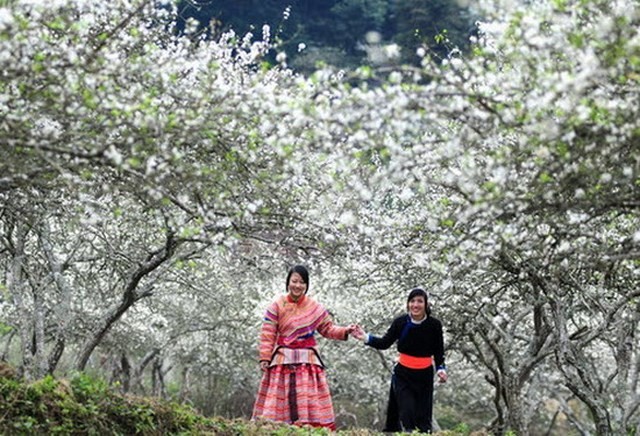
(88, 406)
(4, 328)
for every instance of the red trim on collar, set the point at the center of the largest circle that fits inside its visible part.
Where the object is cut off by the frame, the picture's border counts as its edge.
(291, 300)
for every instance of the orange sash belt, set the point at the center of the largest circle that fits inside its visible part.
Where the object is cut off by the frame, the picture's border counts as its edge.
(413, 362)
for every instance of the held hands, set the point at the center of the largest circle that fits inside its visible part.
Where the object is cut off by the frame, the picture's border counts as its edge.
(351, 328)
(357, 332)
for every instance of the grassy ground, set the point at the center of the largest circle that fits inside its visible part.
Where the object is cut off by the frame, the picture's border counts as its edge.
(87, 406)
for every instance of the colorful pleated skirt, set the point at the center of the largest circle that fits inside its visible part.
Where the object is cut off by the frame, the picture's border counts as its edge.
(295, 394)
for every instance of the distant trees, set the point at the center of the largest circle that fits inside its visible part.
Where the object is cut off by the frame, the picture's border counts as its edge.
(438, 25)
(340, 25)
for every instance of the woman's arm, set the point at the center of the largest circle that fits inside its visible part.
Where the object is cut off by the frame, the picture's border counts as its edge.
(392, 335)
(268, 333)
(331, 331)
(438, 351)
(441, 369)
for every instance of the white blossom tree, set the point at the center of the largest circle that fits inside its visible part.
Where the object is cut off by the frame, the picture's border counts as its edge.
(155, 189)
(535, 141)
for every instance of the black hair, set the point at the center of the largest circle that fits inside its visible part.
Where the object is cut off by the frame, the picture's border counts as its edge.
(302, 270)
(417, 292)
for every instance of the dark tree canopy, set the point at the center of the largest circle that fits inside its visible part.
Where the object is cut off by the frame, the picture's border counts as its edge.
(338, 26)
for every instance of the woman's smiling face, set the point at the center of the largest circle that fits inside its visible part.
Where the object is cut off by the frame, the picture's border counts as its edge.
(297, 286)
(417, 307)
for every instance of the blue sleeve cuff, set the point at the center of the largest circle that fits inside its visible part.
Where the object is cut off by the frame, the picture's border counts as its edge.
(441, 368)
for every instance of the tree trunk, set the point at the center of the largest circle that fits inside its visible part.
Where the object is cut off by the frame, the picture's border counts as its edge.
(108, 320)
(40, 363)
(158, 388)
(62, 309)
(125, 373)
(7, 345)
(184, 389)
(515, 417)
(130, 295)
(136, 379)
(16, 286)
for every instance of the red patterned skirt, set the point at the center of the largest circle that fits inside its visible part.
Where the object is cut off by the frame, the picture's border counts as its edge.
(295, 394)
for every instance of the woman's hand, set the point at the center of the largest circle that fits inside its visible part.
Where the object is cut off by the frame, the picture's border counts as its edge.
(442, 376)
(351, 328)
(358, 332)
(264, 365)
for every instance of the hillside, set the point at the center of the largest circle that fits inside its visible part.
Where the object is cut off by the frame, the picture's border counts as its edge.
(87, 406)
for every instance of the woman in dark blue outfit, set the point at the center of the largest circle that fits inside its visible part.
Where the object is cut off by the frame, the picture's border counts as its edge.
(421, 346)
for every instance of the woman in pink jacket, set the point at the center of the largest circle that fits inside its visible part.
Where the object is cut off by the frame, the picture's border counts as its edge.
(294, 386)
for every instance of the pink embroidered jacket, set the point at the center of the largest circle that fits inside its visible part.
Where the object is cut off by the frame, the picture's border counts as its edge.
(287, 335)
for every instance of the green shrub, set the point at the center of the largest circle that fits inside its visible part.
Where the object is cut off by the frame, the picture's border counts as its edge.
(86, 405)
